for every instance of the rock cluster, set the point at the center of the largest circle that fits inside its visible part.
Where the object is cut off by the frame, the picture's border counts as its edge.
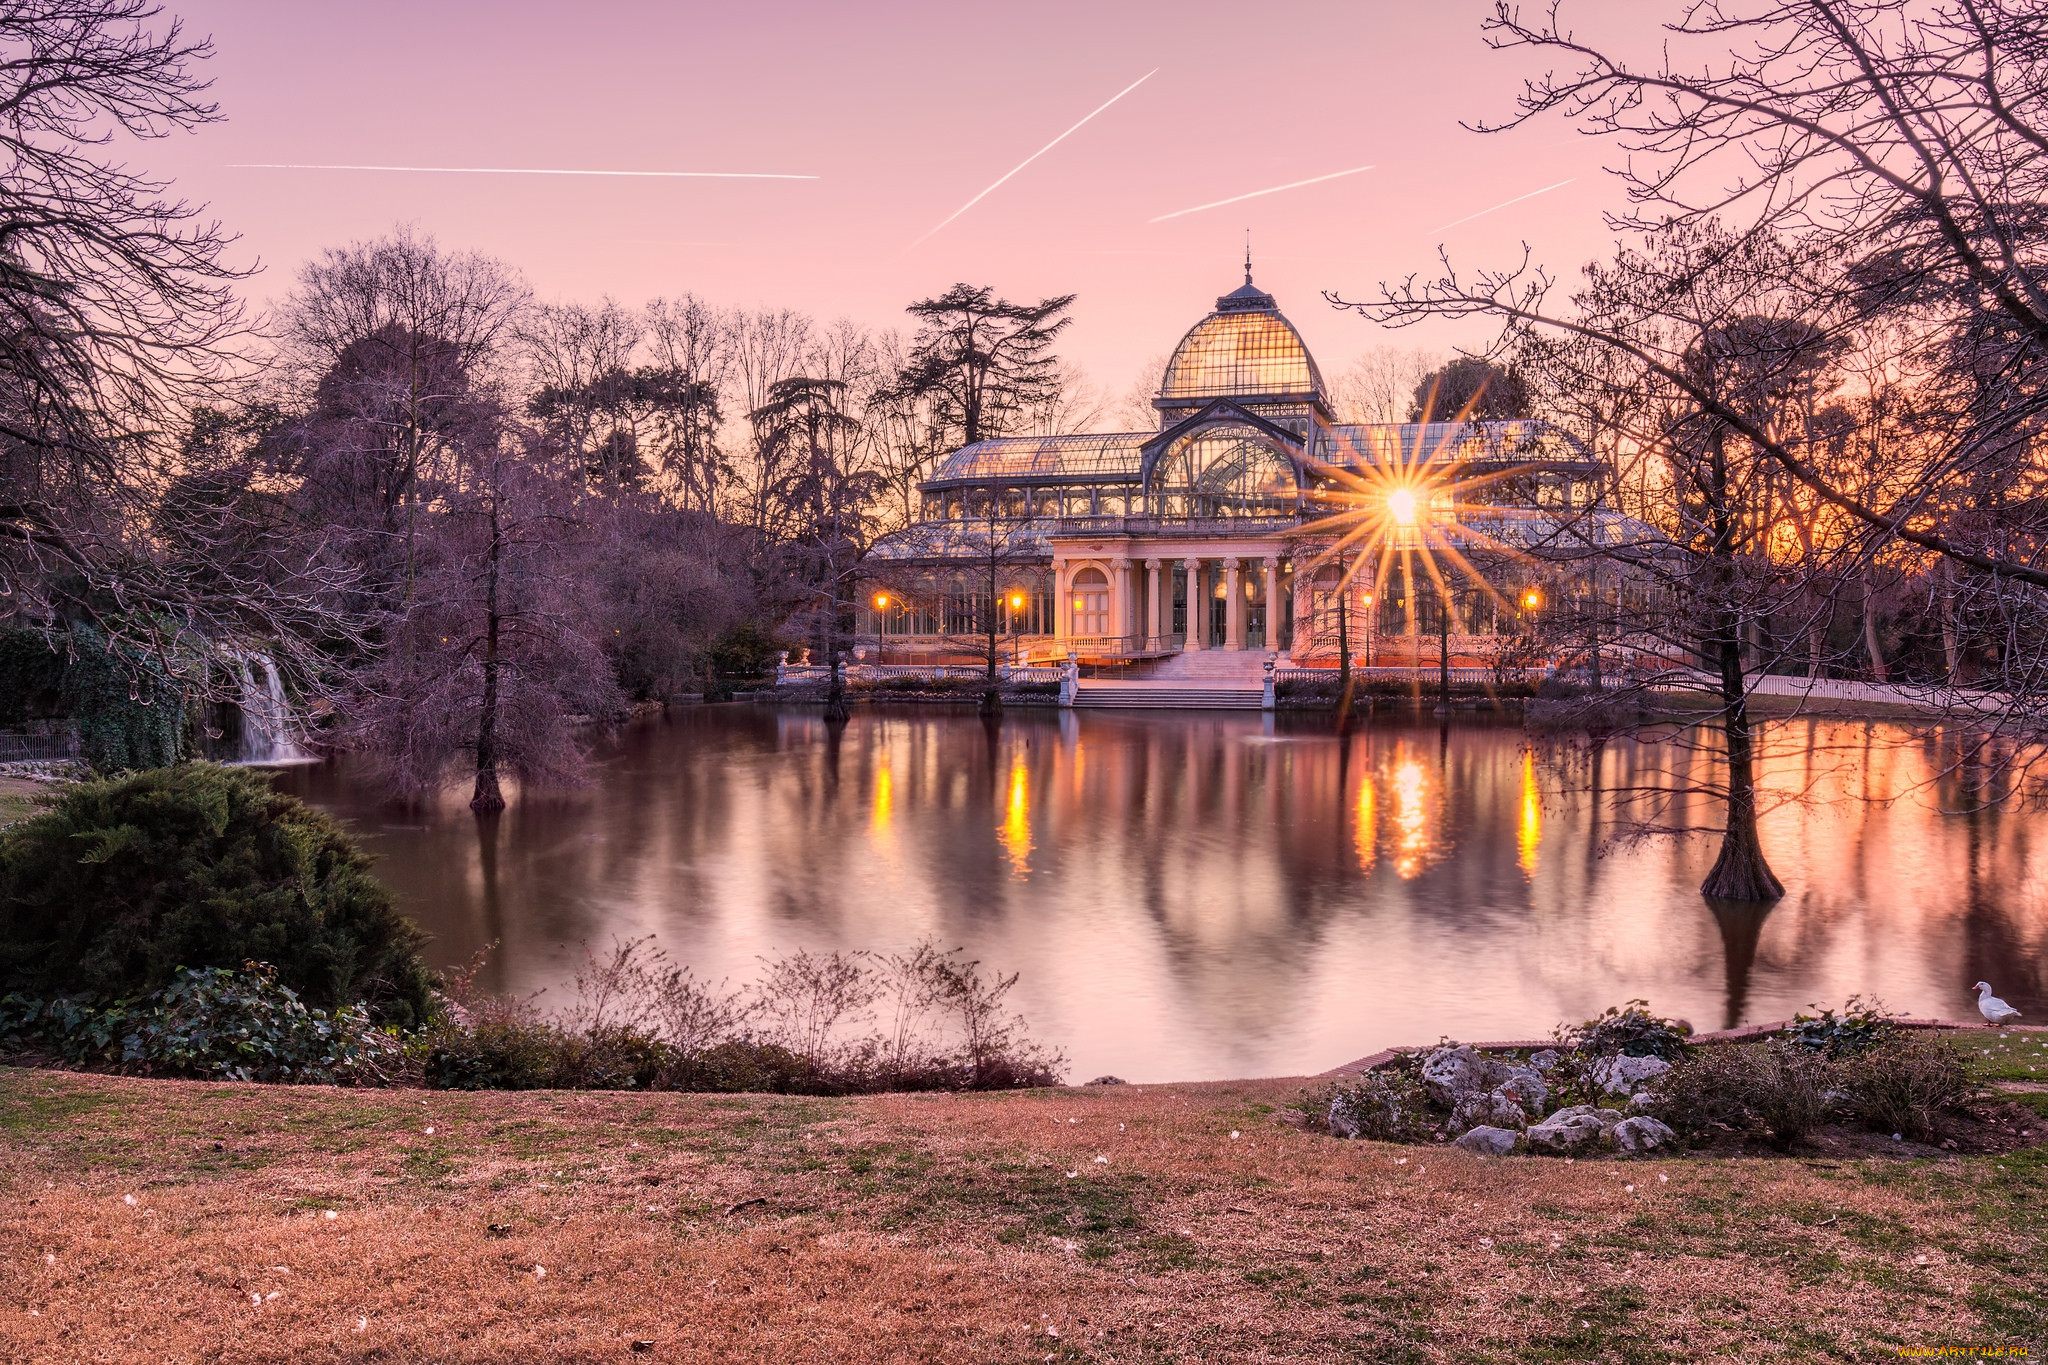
(1496, 1105)
(1483, 1091)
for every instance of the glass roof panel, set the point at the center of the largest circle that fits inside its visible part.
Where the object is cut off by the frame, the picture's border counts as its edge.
(1046, 459)
(1416, 442)
(1241, 353)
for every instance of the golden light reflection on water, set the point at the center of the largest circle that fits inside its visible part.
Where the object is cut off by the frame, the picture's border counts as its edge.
(1366, 831)
(1210, 900)
(1017, 823)
(1411, 818)
(1529, 827)
(884, 805)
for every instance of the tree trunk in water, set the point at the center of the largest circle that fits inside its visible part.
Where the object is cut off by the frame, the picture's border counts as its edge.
(1741, 873)
(487, 796)
(992, 686)
(835, 684)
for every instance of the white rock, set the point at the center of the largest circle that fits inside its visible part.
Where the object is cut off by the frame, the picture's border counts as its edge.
(1543, 1060)
(1452, 1072)
(1568, 1130)
(1625, 1075)
(1526, 1087)
(1640, 1134)
(1488, 1141)
(1489, 1108)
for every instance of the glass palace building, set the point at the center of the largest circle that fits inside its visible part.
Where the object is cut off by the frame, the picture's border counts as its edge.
(1214, 531)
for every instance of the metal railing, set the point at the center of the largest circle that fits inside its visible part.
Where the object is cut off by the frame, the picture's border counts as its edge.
(1110, 524)
(32, 747)
(788, 673)
(1425, 673)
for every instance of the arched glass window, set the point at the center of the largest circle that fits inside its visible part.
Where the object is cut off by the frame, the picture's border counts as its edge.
(1223, 472)
(1091, 602)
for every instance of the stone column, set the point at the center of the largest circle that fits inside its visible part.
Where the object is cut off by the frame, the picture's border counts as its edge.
(1304, 611)
(1193, 639)
(1120, 606)
(1062, 603)
(1233, 605)
(1154, 632)
(1272, 603)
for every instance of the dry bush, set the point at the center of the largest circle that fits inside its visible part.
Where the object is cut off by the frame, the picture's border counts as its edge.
(1773, 1090)
(1905, 1085)
(807, 1026)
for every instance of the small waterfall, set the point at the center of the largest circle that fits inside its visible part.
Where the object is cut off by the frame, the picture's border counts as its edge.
(266, 729)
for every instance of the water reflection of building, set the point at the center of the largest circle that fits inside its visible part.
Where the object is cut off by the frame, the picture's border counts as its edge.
(1150, 544)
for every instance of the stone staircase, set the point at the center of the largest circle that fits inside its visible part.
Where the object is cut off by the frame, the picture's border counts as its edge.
(1102, 692)
(1209, 679)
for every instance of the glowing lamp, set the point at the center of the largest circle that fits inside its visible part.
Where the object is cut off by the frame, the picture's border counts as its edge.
(881, 600)
(1532, 599)
(1401, 507)
(1017, 599)
(1368, 599)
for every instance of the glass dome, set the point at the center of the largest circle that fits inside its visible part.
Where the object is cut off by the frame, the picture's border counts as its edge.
(1244, 349)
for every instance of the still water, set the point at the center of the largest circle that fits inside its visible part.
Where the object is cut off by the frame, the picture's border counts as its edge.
(1198, 896)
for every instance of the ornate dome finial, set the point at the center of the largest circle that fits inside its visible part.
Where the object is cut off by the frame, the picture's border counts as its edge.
(1247, 258)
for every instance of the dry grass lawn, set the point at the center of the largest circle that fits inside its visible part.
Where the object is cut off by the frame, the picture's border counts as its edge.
(165, 1221)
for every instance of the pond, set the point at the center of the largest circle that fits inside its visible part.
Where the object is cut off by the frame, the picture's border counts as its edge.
(1201, 896)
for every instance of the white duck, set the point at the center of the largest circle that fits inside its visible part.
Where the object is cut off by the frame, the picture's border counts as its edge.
(1994, 1010)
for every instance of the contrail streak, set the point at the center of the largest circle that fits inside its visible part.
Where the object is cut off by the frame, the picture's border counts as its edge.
(1497, 207)
(1291, 185)
(517, 170)
(1037, 154)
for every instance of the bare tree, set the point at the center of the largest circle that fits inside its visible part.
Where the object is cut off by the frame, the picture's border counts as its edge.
(1073, 404)
(1133, 410)
(396, 331)
(497, 662)
(1703, 591)
(691, 345)
(827, 489)
(1904, 146)
(117, 320)
(1380, 384)
(768, 346)
(584, 391)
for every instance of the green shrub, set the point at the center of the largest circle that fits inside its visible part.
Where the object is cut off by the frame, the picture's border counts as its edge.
(124, 880)
(1774, 1090)
(497, 1054)
(744, 1065)
(745, 651)
(213, 1023)
(1630, 1031)
(1857, 1027)
(1903, 1084)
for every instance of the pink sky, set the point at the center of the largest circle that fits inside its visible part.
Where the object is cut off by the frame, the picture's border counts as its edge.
(905, 111)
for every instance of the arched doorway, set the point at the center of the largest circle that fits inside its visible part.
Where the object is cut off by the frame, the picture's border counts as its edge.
(1091, 603)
